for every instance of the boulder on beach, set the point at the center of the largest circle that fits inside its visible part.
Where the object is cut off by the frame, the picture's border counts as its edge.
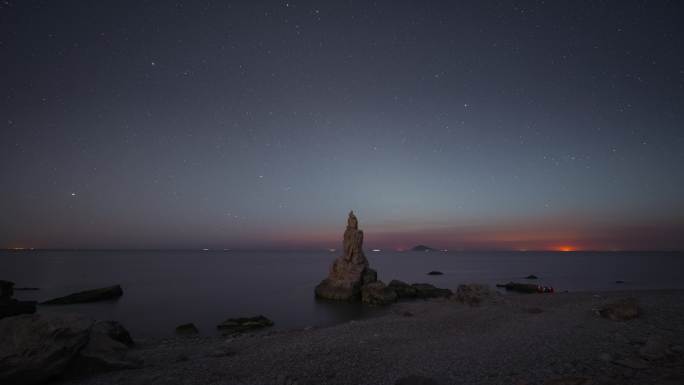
(349, 271)
(531, 276)
(244, 324)
(10, 306)
(377, 293)
(35, 348)
(435, 272)
(403, 289)
(107, 349)
(622, 310)
(472, 294)
(187, 329)
(102, 294)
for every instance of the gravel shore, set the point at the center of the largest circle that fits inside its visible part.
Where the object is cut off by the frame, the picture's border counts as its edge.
(511, 339)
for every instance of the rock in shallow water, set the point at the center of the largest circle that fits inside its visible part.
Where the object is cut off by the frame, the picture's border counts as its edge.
(349, 271)
(35, 348)
(377, 293)
(102, 294)
(425, 290)
(403, 289)
(243, 324)
(520, 287)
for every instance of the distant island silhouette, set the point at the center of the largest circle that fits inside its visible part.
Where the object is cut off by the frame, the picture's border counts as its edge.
(423, 248)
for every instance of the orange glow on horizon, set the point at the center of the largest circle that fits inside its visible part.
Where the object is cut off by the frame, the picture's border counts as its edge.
(566, 248)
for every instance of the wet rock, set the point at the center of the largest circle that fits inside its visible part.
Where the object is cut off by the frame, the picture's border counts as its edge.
(621, 310)
(403, 289)
(244, 324)
(350, 270)
(531, 276)
(435, 272)
(472, 294)
(187, 329)
(102, 294)
(425, 290)
(377, 293)
(415, 380)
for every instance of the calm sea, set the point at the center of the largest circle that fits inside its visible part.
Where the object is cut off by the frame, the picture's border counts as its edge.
(163, 289)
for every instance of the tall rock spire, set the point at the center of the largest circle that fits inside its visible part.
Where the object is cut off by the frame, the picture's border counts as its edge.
(350, 270)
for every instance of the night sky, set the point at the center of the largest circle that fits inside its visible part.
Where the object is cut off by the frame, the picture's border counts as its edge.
(462, 125)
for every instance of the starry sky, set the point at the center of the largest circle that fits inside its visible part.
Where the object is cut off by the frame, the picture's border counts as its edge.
(260, 124)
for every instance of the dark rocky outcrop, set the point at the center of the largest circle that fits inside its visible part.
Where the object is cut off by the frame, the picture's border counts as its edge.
(435, 272)
(349, 271)
(102, 294)
(622, 310)
(425, 290)
(403, 289)
(422, 248)
(107, 349)
(369, 276)
(35, 348)
(531, 276)
(520, 287)
(377, 293)
(11, 307)
(244, 324)
(417, 290)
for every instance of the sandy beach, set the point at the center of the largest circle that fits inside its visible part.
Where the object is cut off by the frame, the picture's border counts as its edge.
(509, 339)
